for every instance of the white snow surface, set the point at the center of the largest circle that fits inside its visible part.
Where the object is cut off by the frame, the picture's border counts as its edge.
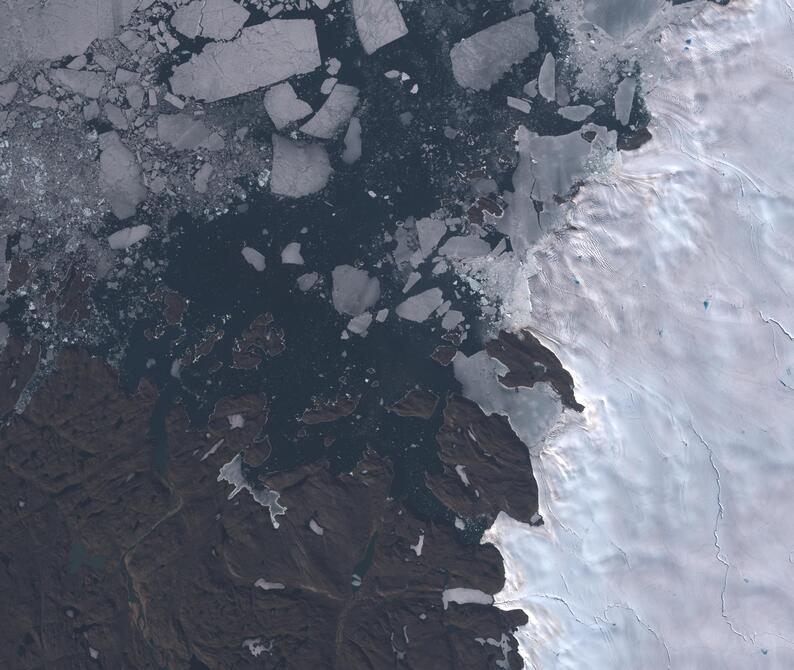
(667, 539)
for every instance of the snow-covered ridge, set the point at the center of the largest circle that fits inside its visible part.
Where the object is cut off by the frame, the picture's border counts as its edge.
(668, 540)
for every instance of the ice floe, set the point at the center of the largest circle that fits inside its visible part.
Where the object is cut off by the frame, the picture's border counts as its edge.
(262, 55)
(479, 61)
(298, 169)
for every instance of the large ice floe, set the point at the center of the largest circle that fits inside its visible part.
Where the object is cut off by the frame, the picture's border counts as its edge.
(271, 51)
(667, 539)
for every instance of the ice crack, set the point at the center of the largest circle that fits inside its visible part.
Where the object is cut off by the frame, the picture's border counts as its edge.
(720, 515)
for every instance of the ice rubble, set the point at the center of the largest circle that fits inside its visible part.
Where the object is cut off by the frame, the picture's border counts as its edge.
(667, 540)
(269, 52)
(298, 169)
(481, 60)
(378, 22)
(213, 19)
(283, 105)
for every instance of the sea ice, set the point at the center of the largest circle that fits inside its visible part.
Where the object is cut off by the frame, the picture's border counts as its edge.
(481, 60)
(283, 105)
(419, 307)
(88, 84)
(335, 112)
(120, 175)
(291, 254)
(232, 472)
(126, 237)
(353, 290)
(547, 79)
(254, 258)
(624, 99)
(262, 55)
(298, 169)
(378, 22)
(214, 19)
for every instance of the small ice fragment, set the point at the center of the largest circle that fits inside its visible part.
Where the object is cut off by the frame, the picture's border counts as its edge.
(254, 258)
(412, 279)
(380, 317)
(359, 325)
(547, 78)
(519, 104)
(126, 237)
(305, 282)
(576, 112)
(236, 421)
(531, 89)
(417, 548)
(202, 177)
(334, 65)
(291, 254)
(268, 586)
(460, 524)
(174, 100)
(328, 85)
(352, 151)
(419, 307)
(461, 470)
(316, 527)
